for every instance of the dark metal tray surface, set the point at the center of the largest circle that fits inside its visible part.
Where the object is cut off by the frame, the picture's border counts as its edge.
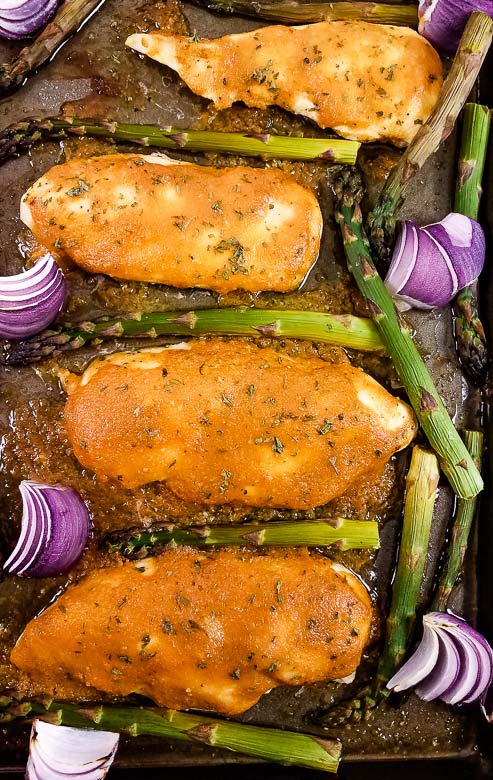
(94, 75)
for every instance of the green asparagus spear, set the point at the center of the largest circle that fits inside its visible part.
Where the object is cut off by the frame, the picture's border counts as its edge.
(421, 486)
(292, 12)
(470, 337)
(69, 17)
(281, 747)
(469, 331)
(464, 516)
(455, 460)
(338, 329)
(347, 534)
(465, 68)
(472, 157)
(20, 137)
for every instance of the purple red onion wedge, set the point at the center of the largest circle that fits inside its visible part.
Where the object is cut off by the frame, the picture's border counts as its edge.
(54, 531)
(431, 264)
(21, 18)
(460, 672)
(484, 653)
(446, 669)
(30, 301)
(442, 22)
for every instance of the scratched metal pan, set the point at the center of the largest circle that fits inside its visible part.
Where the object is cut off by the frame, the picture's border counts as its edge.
(93, 75)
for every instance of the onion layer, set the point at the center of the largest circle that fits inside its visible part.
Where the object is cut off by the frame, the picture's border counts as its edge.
(453, 662)
(442, 22)
(20, 18)
(54, 531)
(431, 264)
(30, 301)
(62, 752)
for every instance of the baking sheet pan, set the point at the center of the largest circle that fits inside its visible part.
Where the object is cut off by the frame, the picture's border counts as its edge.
(93, 75)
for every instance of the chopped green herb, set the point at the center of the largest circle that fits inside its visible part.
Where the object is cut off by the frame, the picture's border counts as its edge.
(326, 427)
(181, 222)
(333, 462)
(226, 400)
(146, 656)
(76, 191)
(168, 627)
(261, 74)
(277, 445)
(225, 483)
(237, 254)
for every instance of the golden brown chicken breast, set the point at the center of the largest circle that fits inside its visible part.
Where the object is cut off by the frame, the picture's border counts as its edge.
(149, 218)
(368, 82)
(227, 422)
(194, 630)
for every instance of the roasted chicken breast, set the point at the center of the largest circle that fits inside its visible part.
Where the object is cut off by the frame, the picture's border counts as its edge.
(368, 82)
(149, 218)
(194, 630)
(228, 422)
